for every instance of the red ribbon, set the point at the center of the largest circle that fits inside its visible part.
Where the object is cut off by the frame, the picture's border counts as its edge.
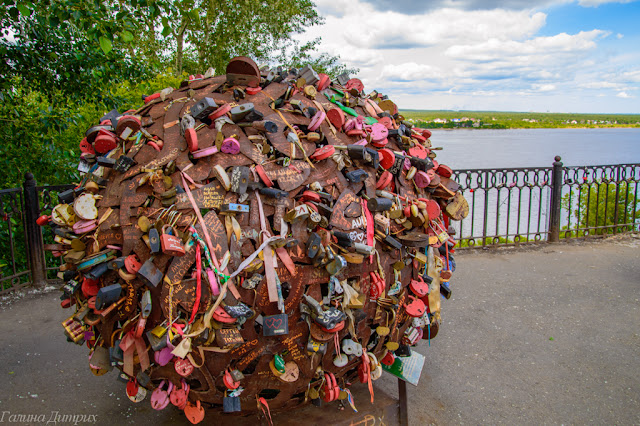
(370, 228)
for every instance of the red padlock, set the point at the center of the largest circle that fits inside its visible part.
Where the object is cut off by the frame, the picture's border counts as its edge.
(323, 82)
(183, 367)
(323, 153)
(385, 180)
(228, 380)
(132, 263)
(415, 308)
(192, 139)
(419, 287)
(222, 316)
(171, 244)
(194, 413)
(263, 176)
(219, 113)
(387, 158)
(388, 359)
(105, 141)
(336, 117)
(43, 220)
(354, 83)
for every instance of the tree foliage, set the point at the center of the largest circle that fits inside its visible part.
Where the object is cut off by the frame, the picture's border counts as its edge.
(67, 62)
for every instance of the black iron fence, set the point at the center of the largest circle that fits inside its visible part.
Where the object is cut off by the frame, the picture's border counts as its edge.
(506, 207)
(535, 204)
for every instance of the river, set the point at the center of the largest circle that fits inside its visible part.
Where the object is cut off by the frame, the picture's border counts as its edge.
(477, 148)
(516, 207)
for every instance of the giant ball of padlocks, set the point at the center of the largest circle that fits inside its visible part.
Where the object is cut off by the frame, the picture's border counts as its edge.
(254, 241)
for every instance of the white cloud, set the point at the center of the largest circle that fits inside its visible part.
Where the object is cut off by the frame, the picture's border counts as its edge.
(544, 87)
(410, 71)
(494, 49)
(442, 54)
(624, 95)
(596, 3)
(619, 36)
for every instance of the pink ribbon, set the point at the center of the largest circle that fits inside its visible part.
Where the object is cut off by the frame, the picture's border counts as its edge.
(129, 345)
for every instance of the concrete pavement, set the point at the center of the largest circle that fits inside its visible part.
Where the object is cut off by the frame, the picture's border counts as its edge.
(549, 335)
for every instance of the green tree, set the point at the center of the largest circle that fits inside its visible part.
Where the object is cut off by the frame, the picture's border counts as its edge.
(603, 204)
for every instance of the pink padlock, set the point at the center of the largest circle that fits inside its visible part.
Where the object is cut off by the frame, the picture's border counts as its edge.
(230, 146)
(317, 120)
(82, 226)
(422, 179)
(160, 397)
(164, 355)
(378, 132)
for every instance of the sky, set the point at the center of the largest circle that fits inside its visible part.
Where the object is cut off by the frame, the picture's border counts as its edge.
(578, 56)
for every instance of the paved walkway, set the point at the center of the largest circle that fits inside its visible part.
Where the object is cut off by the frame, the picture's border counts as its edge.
(539, 336)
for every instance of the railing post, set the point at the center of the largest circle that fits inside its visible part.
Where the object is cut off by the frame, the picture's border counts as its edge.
(33, 232)
(486, 209)
(556, 196)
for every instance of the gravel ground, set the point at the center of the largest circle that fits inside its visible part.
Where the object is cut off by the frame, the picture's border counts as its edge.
(536, 336)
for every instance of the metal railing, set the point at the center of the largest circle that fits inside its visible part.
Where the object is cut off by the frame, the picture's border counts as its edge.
(534, 204)
(509, 206)
(14, 269)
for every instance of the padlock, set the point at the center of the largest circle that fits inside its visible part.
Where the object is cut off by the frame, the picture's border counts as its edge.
(239, 179)
(171, 244)
(336, 265)
(274, 193)
(239, 112)
(160, 396)
(178, 396)
(149, 273)
(357, 176)
(231, 404)
(194, 413)
(123, 164)
(230, 146)
(203, 108)
(379, 204)
(97, 272)
(108, 295)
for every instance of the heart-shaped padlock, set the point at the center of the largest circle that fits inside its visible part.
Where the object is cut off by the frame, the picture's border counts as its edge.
(228, 381)
(184, 367)
(230, 146)
(194, 413)
(179, 396)
(419, 287)
(160, 397)
(416, 307)
(163, 356)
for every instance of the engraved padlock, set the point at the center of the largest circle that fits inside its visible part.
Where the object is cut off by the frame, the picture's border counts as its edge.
(171, 244)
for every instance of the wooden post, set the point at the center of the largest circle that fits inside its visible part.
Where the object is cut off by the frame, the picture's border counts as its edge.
(33, 232)
(555, 205)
